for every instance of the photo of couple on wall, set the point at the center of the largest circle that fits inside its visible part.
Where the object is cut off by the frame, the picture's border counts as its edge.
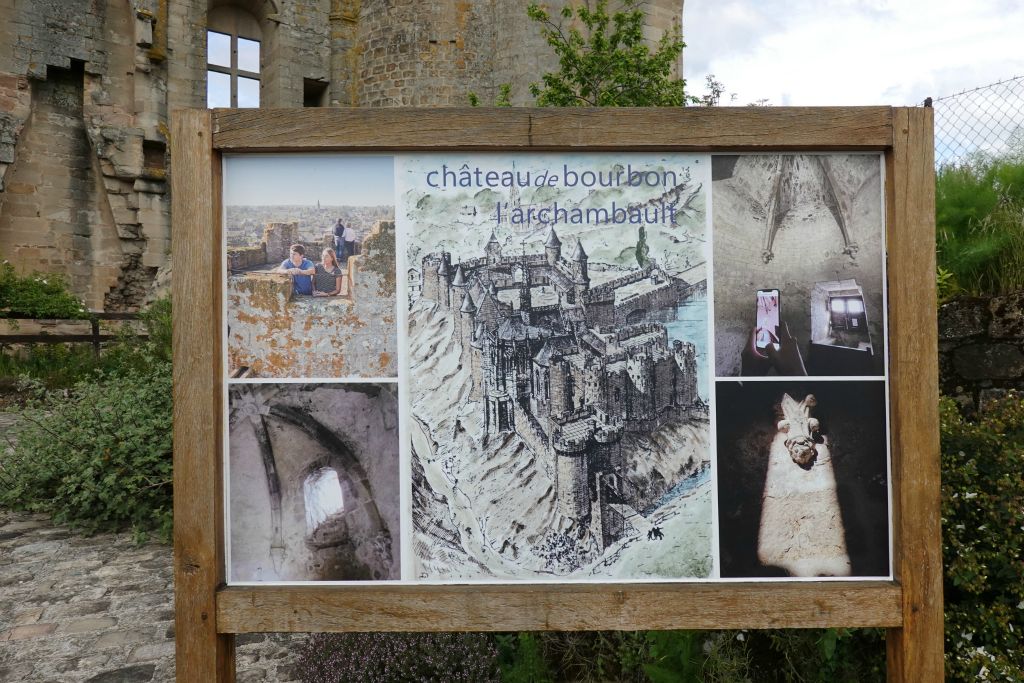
(310, 245)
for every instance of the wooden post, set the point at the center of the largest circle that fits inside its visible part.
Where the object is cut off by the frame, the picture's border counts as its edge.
(202, 653)
(915, 651)
(94, 325)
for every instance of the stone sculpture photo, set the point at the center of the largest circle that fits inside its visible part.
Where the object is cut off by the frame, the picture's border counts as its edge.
(313, 482)
(311, 268)
(811, 227)
(802, 485)
(558, 390)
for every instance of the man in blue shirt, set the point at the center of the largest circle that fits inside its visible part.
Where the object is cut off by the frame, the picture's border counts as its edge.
(300, 268)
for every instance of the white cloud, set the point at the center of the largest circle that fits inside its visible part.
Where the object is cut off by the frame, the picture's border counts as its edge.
(851, 52)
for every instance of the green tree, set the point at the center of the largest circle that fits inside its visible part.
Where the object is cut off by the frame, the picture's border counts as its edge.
(608, 64)
(642, 249)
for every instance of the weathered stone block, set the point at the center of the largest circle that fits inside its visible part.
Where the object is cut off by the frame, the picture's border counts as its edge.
(962, 318)
(150, 186)
(151, 651)
(141, 673)
(242, 258)
(989, 361)
(144, 29)
(122, 638)
(28, 631)
(126, 216)
(87, 625)
(1007, 316)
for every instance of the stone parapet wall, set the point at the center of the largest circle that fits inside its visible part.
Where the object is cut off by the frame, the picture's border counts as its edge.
(241, 258)
(981, 348)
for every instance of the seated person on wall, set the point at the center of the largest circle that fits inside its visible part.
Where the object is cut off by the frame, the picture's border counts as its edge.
(327, 278)
(300, 268)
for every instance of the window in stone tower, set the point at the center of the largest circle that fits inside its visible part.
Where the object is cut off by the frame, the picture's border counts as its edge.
(314, 93)
(233, 47)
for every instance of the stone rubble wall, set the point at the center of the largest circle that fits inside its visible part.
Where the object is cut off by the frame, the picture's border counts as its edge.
(242, 258)
(981, 348)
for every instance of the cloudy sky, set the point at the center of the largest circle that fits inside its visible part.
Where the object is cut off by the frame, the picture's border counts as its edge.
(851, 52)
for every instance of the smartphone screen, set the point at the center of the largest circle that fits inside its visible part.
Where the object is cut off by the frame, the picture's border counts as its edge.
(767, 329)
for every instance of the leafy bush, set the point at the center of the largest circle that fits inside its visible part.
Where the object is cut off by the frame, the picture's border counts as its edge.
(387, 657)
(521, 658)
(983, 547)
(979, 220)
(97, 456)
(640, 656)
(37, 296)
(55, 366)
(60, 366)
(817, 655)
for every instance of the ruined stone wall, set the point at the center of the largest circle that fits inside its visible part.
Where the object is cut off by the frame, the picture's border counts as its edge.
(278, 239)
(981, 348)
(242, 258)
(86, 87)
(82, 146)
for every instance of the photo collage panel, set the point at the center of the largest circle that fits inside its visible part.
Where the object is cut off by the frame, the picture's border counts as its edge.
(555, 367)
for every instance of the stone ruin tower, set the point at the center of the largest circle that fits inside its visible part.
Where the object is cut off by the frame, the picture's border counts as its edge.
(87, 89)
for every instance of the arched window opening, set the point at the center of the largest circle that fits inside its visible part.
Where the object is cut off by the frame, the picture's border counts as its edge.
(323, 497)
(233, 58)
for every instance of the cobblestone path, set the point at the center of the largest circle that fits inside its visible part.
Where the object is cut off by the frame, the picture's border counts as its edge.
(100, 609)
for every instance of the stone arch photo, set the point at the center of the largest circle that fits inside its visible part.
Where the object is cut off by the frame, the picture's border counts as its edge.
(313, 482)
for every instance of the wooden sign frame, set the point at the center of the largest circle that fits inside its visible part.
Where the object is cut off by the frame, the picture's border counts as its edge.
(208, 614)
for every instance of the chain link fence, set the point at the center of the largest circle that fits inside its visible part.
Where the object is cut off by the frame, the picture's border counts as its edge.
(988, 120)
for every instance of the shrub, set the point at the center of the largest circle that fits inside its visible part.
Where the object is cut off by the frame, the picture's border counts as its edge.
(55, 366)
(983, 517)
(60, 366)
(387, 657)
(979, 221)
(817, 655)
(97, 456)
(521, 658)
(640, 656)
(37, 295)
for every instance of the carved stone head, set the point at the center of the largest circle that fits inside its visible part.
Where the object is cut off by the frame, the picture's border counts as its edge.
(801, 429)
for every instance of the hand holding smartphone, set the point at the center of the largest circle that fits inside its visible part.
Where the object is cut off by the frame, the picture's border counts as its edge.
(767, 325)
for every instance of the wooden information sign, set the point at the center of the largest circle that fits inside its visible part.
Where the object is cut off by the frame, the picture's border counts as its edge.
(554, 369)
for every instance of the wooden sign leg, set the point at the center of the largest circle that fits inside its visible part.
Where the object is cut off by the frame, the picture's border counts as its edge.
(201, 653)
(915, 651)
